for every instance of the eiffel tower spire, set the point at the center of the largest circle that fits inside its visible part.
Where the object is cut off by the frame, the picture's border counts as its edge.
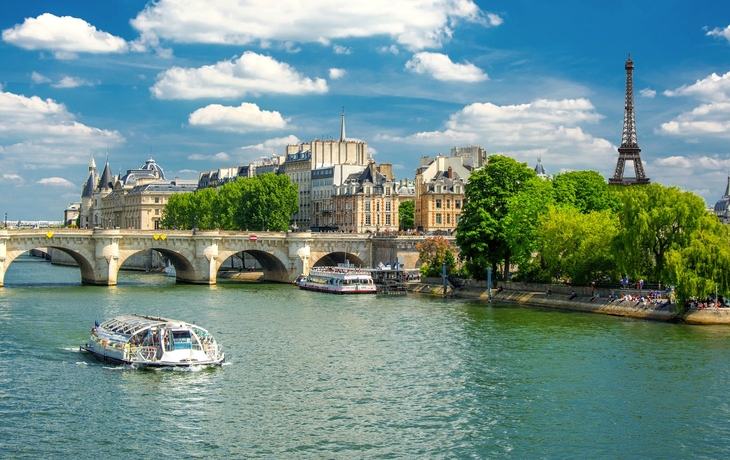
(629, 150)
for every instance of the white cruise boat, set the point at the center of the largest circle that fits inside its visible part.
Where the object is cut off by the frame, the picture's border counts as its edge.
(339, 280)
(153, 342)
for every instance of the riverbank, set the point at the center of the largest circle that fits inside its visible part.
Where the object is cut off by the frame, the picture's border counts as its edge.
(531, 295)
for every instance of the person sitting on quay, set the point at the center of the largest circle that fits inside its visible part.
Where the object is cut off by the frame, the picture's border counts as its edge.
(596, 297)
(573, 295)
(549, 292)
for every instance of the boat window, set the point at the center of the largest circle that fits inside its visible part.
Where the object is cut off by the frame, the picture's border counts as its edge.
(181, 340)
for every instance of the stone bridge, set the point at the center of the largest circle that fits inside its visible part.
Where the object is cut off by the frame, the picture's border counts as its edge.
(197, 255)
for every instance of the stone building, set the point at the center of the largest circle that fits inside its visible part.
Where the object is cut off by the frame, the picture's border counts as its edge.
(71, 213)
(367, 201)
(134, 200)
(324, 182)
(439, 193)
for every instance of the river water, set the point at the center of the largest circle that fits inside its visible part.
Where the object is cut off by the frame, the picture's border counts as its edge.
(313, 375)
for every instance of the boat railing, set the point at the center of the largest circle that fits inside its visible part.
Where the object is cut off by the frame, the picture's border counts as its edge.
(212, 350)
(143, 354)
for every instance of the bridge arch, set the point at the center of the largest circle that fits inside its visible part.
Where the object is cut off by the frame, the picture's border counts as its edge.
(82, 257)
(182, 259)
(332, 259)
(271, 263)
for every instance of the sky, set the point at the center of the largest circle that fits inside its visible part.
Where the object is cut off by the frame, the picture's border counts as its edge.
(200, 88)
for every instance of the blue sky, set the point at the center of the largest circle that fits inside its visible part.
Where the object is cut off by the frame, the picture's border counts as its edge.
(202, 88)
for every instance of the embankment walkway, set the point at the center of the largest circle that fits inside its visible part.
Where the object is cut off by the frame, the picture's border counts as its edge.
(530, 295)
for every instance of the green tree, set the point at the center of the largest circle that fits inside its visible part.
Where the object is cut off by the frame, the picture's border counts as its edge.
(178, 211)
(522, 219)
(584, 190)
(226, 203)
(406, 215)
(481, 229)
(434, 251)
(267, 202)
(203, 201)
(654, 219)
(577, 245)
(702, 267)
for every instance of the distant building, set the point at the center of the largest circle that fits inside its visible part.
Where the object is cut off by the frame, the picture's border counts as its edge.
(367, 201)
(439, 192)
(135, 200)
(539, 170)
(71, 213)
(473, 155)
(324, 183)
(722, 207)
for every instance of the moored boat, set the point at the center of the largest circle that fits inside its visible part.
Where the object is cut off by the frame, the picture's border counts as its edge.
(153, 342)
(339, 280)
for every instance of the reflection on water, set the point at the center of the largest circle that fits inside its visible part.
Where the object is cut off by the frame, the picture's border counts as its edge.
(315, 375)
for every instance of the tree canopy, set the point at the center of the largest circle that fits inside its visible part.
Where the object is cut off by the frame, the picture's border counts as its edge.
(434, 251)
(406, 215)
(481, 232)
(265, 202)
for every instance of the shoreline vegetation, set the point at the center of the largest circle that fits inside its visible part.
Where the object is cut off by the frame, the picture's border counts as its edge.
(532, 295)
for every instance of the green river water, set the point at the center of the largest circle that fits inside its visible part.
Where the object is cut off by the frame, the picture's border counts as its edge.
(313, 375)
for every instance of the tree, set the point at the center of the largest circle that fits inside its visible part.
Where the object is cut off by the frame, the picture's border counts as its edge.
(406, 215)
(523, 216)
(229, 196)
(481, 229)
(576, 245)
(703, 266)
(585, 190)
(434, 251)
(178, 211)
(267, 202)
(203, 202)
(654, 220)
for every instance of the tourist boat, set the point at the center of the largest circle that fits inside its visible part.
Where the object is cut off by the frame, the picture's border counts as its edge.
(339, 280)
(150, 341)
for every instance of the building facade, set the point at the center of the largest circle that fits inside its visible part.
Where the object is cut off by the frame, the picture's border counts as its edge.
(439, 193)
(367, 201)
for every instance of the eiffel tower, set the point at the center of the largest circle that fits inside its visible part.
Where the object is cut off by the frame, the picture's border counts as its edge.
(629, 150)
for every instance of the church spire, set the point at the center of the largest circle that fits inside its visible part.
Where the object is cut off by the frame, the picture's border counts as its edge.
(342, 128)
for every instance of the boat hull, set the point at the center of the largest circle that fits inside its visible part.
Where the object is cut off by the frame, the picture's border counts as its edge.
(319, 288)
(111, 359)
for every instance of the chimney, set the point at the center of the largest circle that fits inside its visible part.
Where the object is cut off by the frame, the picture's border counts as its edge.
(450, 173)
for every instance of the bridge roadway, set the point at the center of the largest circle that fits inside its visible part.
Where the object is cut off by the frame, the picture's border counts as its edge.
(197, 255)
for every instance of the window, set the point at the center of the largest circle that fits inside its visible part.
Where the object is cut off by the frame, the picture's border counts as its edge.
(448, 204)
(377, 206)
(438, 189)
(157, 199)
(367, 206)
(457, 189)
(438, 218)
(387, 190)
(367, 219)
(387, 219)
(448, 218)
(387, 206)
(438, 203)
(157, 212)
(457, 204)
(457, 218)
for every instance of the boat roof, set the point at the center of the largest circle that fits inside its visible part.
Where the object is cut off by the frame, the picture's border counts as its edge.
(131, 324)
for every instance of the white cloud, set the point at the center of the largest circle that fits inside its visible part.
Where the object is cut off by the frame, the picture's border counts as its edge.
(56, 182)
(414, 24)
(244, 118)
(65, 35)
(220, 156)
(38, 78)
(542, 127)
(336, 74)
(709, 89)
(721, 33)
(12, 178)
(341, 49)
(712, 117)
(42, 131)
(494, 20)
(440, 67)
(389, 49)
(251, 73)
(72, 82)
(277, 143)
(647, 92)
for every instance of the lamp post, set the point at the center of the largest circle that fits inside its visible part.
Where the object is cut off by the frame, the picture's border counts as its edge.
(6, 220)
